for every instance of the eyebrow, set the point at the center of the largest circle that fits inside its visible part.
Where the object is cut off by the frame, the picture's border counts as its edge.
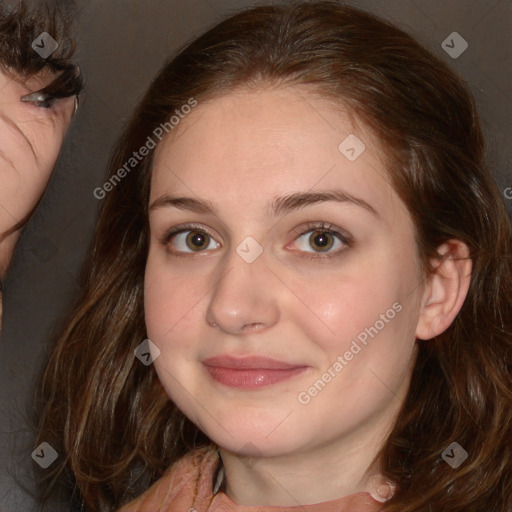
(279, 206)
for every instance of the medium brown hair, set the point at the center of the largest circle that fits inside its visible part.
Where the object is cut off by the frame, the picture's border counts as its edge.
(21, 24)
(107, 414)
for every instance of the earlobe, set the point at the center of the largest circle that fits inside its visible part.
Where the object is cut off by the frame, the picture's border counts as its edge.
(446, 291)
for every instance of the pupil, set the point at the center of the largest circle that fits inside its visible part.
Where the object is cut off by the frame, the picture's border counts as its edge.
(197, 239)
(321, 240)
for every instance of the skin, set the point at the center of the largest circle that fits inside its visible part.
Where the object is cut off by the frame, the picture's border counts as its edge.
(30, 142)
(239, 152)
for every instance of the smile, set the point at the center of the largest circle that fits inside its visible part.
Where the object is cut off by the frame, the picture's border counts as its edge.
(250, 372)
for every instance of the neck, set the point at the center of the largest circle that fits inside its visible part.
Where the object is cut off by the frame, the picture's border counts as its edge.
(326, 472)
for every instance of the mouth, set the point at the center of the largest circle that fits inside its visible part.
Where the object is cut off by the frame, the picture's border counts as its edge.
(250, 372)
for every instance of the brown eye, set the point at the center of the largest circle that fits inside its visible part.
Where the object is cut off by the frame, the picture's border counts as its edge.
(321, 240)
(197, 240)
(190, 240)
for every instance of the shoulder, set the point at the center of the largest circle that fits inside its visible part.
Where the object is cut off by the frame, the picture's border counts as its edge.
(186, 481)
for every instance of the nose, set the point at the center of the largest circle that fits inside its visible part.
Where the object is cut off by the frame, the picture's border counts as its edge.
(245, 298)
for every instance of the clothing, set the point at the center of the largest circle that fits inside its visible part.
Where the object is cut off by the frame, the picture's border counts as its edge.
(192, 484)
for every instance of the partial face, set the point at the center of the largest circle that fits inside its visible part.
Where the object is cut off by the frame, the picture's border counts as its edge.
(30, 141)
(327, 287)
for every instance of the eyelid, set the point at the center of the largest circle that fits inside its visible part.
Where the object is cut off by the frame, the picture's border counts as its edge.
(65, 85)
(323, 226)
(186, 227)
(182, 228)
(342, 236)
(39, 99)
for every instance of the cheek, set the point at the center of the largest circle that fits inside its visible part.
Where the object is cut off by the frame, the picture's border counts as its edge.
(365, 339)
(335, 306)
(365, 313)
(47, 137)
(172, 303)
(25, 178)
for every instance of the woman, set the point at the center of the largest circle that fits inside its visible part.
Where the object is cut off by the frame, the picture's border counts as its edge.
(298, 294)
(38, 96)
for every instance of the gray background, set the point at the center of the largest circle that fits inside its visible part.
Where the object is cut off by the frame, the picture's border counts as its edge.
(121, 45)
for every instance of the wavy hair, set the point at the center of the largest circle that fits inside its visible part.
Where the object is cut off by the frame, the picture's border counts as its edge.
(108, 414)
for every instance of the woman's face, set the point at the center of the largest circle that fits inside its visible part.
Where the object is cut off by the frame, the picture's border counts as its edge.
(261, 274)
(30, 141)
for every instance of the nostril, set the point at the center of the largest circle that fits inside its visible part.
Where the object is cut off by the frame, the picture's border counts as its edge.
(256, 325)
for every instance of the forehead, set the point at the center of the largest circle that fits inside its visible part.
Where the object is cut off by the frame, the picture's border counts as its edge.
(249, 145)
(11, 81)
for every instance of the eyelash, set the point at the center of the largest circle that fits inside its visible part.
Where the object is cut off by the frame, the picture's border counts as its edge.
(323, 227)
(48, 104)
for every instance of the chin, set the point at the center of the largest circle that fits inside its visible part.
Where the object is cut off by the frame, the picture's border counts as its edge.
(252, 442)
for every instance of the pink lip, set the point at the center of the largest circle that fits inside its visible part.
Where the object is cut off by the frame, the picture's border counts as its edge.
(250, 372)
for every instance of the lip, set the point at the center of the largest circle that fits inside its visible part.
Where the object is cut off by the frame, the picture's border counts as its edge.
(249, 362)
(250, 372)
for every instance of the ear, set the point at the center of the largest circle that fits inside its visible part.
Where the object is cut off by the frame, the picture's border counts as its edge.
(446, 290)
